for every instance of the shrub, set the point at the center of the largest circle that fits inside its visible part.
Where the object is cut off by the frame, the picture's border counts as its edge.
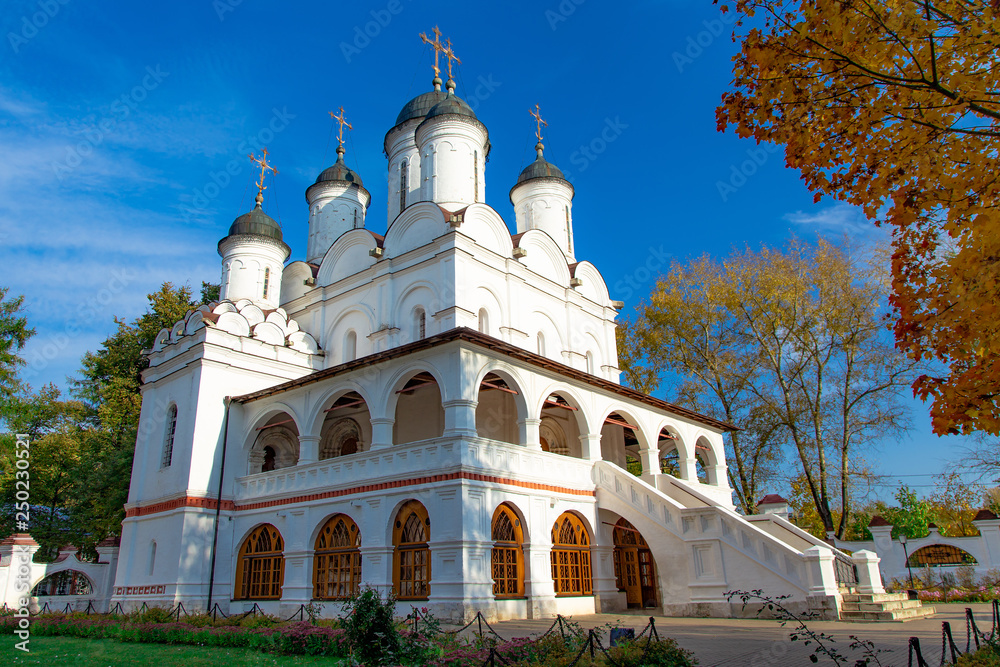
(371, 628)
(987, 656)
(154, 615)
(663, 653)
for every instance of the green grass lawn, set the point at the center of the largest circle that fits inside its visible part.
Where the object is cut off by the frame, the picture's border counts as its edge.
(109, 653)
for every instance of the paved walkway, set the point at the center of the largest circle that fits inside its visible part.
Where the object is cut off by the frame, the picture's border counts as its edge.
(758, 643)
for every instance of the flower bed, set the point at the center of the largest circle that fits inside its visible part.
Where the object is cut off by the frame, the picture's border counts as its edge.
(299, 638)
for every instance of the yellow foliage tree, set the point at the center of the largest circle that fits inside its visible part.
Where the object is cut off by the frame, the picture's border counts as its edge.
(894, 106)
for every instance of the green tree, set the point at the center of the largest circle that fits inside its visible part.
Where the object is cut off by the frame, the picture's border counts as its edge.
(911, 515)
(14, 333)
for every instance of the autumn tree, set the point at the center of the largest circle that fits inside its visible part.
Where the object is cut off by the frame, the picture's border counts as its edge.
(791, 345)
(895, 107)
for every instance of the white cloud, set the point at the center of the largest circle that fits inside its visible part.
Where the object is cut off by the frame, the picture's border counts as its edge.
(837, 220)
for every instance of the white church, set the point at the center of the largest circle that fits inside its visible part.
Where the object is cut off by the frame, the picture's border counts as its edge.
(435, 411)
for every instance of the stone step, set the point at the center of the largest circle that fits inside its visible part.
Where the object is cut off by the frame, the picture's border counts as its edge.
(881, 606)
(875, 597)
(886, 616)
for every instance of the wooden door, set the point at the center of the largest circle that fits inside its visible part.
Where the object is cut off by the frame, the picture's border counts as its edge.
(647, 578)
(630, 576)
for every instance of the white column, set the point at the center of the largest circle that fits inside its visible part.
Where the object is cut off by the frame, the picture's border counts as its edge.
(650, 459)
(460, 417)
(382, 432)
(528, 435)
(821, 575)
(590, 446)
(308, 448)
(869, 579)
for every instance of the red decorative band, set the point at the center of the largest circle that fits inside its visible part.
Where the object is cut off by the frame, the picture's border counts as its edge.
(432, 479)
(186, 501)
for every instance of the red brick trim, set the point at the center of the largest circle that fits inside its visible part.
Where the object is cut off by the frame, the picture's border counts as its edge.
(228, 505)
(186, 501)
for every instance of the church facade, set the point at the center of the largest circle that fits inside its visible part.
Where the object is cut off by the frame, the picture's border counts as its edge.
(434, 411)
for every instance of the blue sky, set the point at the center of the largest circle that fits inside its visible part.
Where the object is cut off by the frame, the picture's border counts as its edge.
(118, 121)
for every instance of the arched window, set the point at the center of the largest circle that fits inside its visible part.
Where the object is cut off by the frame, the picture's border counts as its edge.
(152, 556)
(355, 218)
(475, 171)
(484, 321)
(267, 280)
(342, 439)
(419, 324)
(337, 565)
(350, 346)
(168, 437)
(261, 567)
(404, 183)
(411, 574)
(571, 556)
(508, 556)
(541, 344)
(67, 582)
(569, 233)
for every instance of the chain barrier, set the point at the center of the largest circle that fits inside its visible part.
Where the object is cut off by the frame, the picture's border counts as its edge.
(946, 633)
(914, 649)
(300, 613)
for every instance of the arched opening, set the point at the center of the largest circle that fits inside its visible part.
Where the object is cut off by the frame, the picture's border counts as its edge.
(168, 437)
(670, 460)
(635, 572)
(571, 556)
(346, 427)
(267, 281)
(67, 582)
(507, 558)
(559, 430)
(619, 441)
(260, 568)
(411, 572)
(484, 321)
(419, 413)
(350, 346)
(419, 324)
(704, 460)
(337, 559)
(496, 413)
(940, 554)
(276, 444)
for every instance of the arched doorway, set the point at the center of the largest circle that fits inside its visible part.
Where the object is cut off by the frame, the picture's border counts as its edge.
(635, 571)
(337, 560)
(67, 582)
(260, 568)
(411, 575)
(496, 413)
(571, 572)
(276, 444)
(507, 559)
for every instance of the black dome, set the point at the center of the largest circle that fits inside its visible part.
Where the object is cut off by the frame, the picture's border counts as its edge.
(420, 105)
(452, 104)
(256, 222)
(540, 168)
(339, 172)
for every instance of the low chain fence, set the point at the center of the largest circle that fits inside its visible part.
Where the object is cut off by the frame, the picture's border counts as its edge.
(950, 650)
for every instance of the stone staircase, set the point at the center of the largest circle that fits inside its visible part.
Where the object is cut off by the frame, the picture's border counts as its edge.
(883, 607)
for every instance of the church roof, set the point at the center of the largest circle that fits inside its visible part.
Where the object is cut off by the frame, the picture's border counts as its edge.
(451, 104)
(256, 222)
(477, 338)
(339, 171)
(421, 104)
(540, 168)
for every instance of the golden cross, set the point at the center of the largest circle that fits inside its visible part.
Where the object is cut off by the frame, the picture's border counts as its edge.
(436, 45)
(264, 168)
(450, 55)
(340, 119)
(536, 113)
